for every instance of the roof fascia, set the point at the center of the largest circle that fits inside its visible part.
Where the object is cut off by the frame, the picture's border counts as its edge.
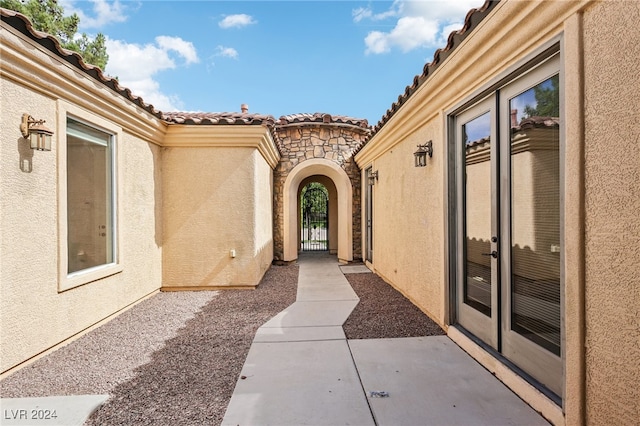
(470, 67)
(474, 17)
(28, 63)
(224, 136)
(48, 42)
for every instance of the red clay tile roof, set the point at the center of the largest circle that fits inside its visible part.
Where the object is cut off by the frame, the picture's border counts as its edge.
(49, 42)
(536, 122)
(478, 142)
(525, 124)
(212, 118)
(22, 24)
(471, 21)
(319, 117)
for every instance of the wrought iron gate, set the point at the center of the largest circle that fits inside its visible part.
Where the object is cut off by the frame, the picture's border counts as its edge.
(315, 220)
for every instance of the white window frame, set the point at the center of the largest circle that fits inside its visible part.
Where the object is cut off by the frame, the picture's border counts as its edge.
(66, 280)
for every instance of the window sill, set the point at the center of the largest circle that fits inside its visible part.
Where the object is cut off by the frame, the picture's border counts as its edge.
(87, 276)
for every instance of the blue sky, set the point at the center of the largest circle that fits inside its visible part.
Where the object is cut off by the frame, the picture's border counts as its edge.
(279, 57)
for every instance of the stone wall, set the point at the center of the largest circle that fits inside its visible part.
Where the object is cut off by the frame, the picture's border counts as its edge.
(301, 141)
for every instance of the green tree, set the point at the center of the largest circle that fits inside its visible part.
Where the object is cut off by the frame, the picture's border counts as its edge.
(48, 16)
(547, 100)
(314, 196)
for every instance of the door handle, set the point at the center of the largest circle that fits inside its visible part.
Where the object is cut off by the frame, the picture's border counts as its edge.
(493, 254)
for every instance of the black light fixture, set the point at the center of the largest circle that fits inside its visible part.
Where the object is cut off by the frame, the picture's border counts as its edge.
(422, 152)
(38, 134)
(373, 177)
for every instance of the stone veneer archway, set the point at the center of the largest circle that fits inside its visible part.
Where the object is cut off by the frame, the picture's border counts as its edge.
(322, 167)
(318, 145)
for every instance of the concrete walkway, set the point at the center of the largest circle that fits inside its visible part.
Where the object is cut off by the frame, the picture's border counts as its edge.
(301, 370)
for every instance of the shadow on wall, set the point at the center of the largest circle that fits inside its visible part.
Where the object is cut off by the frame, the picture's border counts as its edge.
(26, 155)
(249, 273)
(157, 192)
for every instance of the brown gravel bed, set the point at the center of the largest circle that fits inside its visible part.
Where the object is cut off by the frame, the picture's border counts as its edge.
(183, 373)
(108, 355)
(383, 312)
(174, 358)
(190, 381)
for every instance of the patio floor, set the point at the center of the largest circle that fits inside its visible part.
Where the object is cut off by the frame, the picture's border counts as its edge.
(300, 369)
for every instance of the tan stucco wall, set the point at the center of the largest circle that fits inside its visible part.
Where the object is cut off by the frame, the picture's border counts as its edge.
(34, 314)
(409, 251)
(40, 305)
(263, 214)
(408, 227)
(216, 199)
(612, 221)
(409, 207)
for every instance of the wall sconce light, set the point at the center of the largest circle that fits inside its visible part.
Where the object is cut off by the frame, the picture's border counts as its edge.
(422, 152)
(373, 177)
(38, 134)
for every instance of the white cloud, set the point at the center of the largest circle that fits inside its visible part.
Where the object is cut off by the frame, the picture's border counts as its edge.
(227, 52)
(448, 29)
(377, 42)
(178, 45)
(367, 13)
(361, 13)
(447, 11)
(409, 33)
(236, 21)
(104, 13)
(420, 24)
(136, 65)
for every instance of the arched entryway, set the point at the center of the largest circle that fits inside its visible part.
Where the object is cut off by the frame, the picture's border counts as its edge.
(318, 222)
(331, 176)
(318, 148)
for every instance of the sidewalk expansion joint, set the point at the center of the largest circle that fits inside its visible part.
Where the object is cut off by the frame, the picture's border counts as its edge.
(364, 391)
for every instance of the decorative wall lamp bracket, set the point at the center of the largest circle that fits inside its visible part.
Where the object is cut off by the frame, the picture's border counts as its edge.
(373, 177)
(422, 152)
(38, 134)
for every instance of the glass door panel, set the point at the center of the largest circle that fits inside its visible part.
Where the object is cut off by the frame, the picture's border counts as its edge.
(508, 235)
(477, 143)
(531, 291)
(477, 241)
(535, 215)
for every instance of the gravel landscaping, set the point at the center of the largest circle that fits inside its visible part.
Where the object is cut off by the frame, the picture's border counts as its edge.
(383, 312)
(174, 358)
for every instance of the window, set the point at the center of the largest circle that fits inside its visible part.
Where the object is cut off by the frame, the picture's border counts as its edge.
(90, 198)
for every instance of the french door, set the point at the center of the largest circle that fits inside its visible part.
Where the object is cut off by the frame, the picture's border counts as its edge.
(508, 239)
